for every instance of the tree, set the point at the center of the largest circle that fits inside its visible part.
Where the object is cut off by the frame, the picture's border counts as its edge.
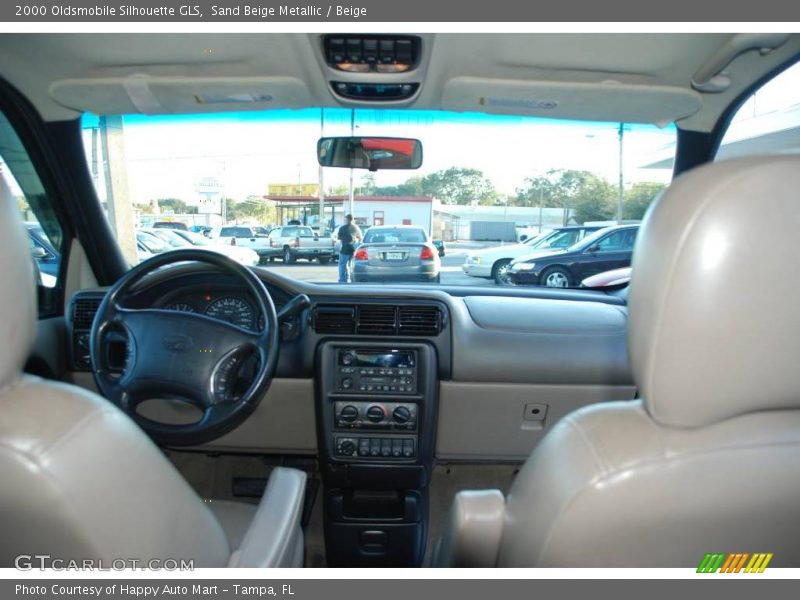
(368, 184)
(583, 195)
(639, 197)
(459, 185)
(593, 201)
(536, 191)
(176, 205)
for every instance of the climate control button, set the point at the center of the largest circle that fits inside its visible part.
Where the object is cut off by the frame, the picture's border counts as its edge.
(376, 413)
(349, 413)
(401, 414)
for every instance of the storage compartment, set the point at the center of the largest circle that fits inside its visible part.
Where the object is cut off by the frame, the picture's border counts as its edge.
(375, 528)
(385, 545)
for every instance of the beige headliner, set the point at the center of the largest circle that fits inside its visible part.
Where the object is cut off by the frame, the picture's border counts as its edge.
(631, 77)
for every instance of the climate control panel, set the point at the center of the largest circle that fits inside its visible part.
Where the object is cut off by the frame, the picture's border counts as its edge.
(388, 416)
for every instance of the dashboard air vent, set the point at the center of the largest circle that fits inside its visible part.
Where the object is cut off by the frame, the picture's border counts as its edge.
(335, 319)
(419, 320)
(377, 319)
(83, 311)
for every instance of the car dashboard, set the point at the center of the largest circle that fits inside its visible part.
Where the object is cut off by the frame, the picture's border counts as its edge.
(380, 383)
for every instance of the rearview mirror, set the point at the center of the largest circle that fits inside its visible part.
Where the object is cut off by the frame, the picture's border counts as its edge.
(370, 153)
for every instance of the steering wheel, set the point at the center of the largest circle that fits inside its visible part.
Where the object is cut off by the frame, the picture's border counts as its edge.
(180, 355)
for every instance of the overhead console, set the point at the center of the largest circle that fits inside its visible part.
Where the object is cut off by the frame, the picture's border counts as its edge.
(374, 68)
(357, 53)
(377, 401)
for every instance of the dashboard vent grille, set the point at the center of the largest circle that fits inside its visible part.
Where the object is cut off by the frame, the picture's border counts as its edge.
(83, 311)
(419, 320)
(335, 319)
(377, 319)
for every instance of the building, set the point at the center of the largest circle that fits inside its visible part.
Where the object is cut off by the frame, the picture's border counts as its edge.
(495, 223)
(367, 211)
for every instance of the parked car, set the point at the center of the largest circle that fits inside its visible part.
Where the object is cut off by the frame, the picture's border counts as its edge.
(186, 239)
(151, 243)
(607, 279)
(202, 229)
(170, 225)
(298, 241)
(48, 259)
(493, 263)
(239, 235)
(608, 248)
(396, 253)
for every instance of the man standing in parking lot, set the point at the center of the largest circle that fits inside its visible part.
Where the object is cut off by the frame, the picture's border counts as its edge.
(349, 235)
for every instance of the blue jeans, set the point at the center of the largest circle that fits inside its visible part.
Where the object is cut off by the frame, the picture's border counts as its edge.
(344, 264)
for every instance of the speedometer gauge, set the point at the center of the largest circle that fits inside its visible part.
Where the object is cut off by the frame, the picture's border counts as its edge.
(233, 310)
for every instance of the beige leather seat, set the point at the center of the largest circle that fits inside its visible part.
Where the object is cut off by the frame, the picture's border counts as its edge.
(79, 480)
(708, 460)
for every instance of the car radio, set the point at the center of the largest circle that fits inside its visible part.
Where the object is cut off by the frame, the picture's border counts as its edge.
(376, 371)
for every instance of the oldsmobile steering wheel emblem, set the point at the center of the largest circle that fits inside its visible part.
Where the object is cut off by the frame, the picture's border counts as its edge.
(178, 342)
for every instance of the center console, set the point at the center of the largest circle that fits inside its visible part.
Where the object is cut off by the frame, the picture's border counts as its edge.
(376, 415)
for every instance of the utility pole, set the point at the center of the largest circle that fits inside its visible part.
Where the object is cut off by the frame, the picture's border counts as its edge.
(541, 204)
(352, 198)
(118, 202)
(621, 191)
(322, 223)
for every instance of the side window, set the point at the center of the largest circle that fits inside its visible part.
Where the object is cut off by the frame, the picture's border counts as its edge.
(19, 180)
(616, 242)
(768, 122)
(226, 232)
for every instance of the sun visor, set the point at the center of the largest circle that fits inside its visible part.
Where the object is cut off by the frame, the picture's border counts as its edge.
(179, 95)
(603, 101)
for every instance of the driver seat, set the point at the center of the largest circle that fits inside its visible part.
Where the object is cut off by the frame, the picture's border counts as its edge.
(80, 480)
(706, 461)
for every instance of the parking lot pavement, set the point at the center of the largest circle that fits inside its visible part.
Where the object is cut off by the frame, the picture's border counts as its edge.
(313, 271)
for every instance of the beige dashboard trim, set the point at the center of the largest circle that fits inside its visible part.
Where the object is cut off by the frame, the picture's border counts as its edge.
(490, 421)
(283, 423)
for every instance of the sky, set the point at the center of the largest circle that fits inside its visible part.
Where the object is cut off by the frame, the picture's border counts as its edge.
(245, 152)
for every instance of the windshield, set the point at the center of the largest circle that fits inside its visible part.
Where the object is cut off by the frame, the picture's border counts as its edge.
(487, 182)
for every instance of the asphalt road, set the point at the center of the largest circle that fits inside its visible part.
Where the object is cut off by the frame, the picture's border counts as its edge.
(313, 271)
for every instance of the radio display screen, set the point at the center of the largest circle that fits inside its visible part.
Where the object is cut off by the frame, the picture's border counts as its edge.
(386, 360)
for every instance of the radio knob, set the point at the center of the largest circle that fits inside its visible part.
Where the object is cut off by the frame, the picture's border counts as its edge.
(349, 413)
(347, 448)
(375, 413)
(347, 383)
(348, 359)
(401, 414)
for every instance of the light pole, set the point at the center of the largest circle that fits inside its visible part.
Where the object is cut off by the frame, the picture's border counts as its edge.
(352, 197)
(621, 191)
(322, 225)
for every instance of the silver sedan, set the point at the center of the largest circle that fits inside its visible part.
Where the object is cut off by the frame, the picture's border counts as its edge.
(396, 253)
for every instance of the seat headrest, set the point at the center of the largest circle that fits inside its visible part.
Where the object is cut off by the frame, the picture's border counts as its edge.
(714, 304)
(17, 289)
